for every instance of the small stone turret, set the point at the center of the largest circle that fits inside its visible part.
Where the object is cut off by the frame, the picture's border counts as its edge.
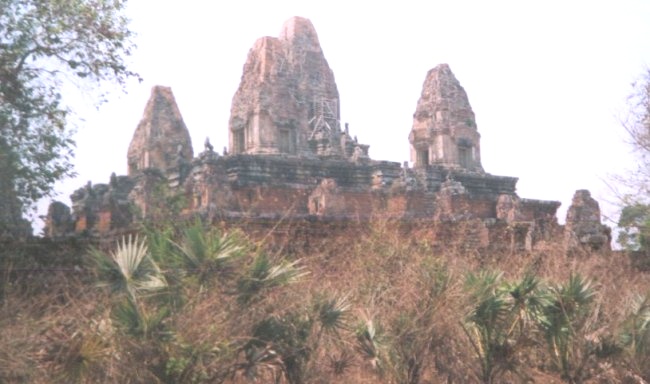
(161, 139)
(444, 127)
(583, 229)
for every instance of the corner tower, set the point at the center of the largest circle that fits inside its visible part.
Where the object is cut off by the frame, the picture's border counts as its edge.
(444, 127)
(161, 139)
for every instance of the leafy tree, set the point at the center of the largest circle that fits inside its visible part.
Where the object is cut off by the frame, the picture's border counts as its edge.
(637, 125)
(44, 46)
(635, 213)
(635, 227)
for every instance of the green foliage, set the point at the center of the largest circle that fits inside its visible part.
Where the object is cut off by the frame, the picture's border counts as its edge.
(263, 274)
(332, 313)
(565, 324)
(135, 319)
(501, 319)
(287, 338)
(45, 45)
(414, 332)
(145, 307)
(635, 214)
(207, 253)
(635, 227)
(249, 324)
(369, 343)
(129, 269)
(82, 355)
(635, 335)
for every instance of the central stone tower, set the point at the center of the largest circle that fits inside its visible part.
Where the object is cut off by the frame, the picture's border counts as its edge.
(444, 127)
(287, 101)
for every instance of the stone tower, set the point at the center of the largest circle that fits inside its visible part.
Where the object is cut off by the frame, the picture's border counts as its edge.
(161, 139)
(287, 101)
(444, 127)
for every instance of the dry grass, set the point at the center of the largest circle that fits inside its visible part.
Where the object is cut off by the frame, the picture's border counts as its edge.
(58, 327)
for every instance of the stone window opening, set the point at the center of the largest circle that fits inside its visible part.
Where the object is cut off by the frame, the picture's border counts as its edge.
(464, 156)
(465, 152)
(422, 157)
(239, 141)
(287, 141)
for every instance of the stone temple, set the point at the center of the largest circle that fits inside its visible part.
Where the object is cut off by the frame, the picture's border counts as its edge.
(290, 156)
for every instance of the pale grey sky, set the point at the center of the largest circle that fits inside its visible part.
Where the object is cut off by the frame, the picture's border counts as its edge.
(546, 79)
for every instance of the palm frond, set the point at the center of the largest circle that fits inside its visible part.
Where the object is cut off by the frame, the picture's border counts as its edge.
(333, 313)
(482, 284)
(564, 318)
(636, 329)
(341, 362)
(80, 357)
(135, 320)
(369, 343)
(204, 252)
(263, 275)
(129, 269)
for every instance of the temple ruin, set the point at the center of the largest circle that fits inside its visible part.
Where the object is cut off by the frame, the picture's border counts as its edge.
(290, 156)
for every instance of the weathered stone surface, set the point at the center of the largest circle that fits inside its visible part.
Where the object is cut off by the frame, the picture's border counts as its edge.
(583, 228)
(289, 160)
(287, 101)
(452, 202)
(103, 207)
(509, 208)
(444, 127)
(161, 139)
(326, 200)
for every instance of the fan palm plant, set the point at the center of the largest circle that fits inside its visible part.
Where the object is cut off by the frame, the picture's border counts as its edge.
(136, 319)
(295, 337)
(414, 332)
(369, 343)
(80, 358)
(205, 252)
(333, 314)
(635, 336)
(565, 322)
(263, 274)
(129, 269)
(502, 315)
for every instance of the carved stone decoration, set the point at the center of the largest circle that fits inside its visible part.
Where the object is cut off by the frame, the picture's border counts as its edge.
(285, 136)
(161, 139)
(326, 200)
(452, 202)
(287, 101)
(444, 126)
(508, 208)
(583, 228)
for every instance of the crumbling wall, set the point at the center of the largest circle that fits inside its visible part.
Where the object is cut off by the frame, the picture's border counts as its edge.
(583, 229)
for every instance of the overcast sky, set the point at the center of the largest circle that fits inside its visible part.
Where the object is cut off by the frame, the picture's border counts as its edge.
(546, 79)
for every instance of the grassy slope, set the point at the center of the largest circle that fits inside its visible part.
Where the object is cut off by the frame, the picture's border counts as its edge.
(56, 324)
